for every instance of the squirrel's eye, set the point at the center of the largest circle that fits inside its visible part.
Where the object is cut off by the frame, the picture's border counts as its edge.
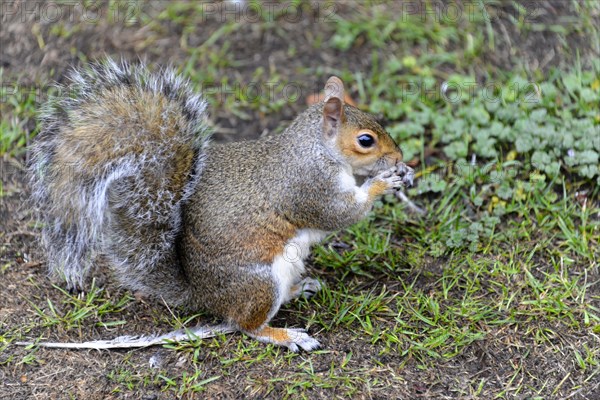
(366, 140)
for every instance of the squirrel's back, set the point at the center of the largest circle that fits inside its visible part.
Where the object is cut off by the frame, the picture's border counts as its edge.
(119, 151)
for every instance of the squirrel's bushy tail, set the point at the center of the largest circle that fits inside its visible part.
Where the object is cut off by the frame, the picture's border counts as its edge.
(119, 151)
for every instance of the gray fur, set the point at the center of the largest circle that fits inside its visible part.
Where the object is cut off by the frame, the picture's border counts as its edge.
(204, 227)
(79, 223)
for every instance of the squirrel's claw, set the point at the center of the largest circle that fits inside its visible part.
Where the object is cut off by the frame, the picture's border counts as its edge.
(300, 339)
(308, 287)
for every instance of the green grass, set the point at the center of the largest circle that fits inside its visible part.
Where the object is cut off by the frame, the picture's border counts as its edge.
(516, 281)
(506, 254)
(79, 310)
(18, 109)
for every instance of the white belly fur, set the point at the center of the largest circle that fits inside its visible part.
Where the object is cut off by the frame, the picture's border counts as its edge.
(288, 267)
(348, 183)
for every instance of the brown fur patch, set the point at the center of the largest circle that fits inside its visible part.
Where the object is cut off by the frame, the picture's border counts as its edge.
(268, 239)
(360, 157)
(256, 319)
(377, 189)
(349, 146)
(111, 127)
(125, 121)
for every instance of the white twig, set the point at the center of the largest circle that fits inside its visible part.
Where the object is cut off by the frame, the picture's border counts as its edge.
(412, 206)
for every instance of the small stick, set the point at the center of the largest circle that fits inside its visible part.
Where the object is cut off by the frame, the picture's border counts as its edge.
(412, 206)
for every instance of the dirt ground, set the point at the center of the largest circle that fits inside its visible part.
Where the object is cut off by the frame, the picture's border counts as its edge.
(94, 375)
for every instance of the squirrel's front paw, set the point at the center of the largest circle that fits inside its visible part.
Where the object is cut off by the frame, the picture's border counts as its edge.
(391, 179)
(406, 173)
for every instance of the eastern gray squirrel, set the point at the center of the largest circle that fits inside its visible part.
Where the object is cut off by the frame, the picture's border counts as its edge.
(123, 168)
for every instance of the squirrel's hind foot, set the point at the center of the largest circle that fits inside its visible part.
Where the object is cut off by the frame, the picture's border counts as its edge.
(292, 338)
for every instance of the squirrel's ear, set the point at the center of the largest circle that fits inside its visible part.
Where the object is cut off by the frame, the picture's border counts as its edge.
(333, 111)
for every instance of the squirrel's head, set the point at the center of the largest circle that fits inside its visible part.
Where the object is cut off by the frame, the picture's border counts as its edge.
(355, 135)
